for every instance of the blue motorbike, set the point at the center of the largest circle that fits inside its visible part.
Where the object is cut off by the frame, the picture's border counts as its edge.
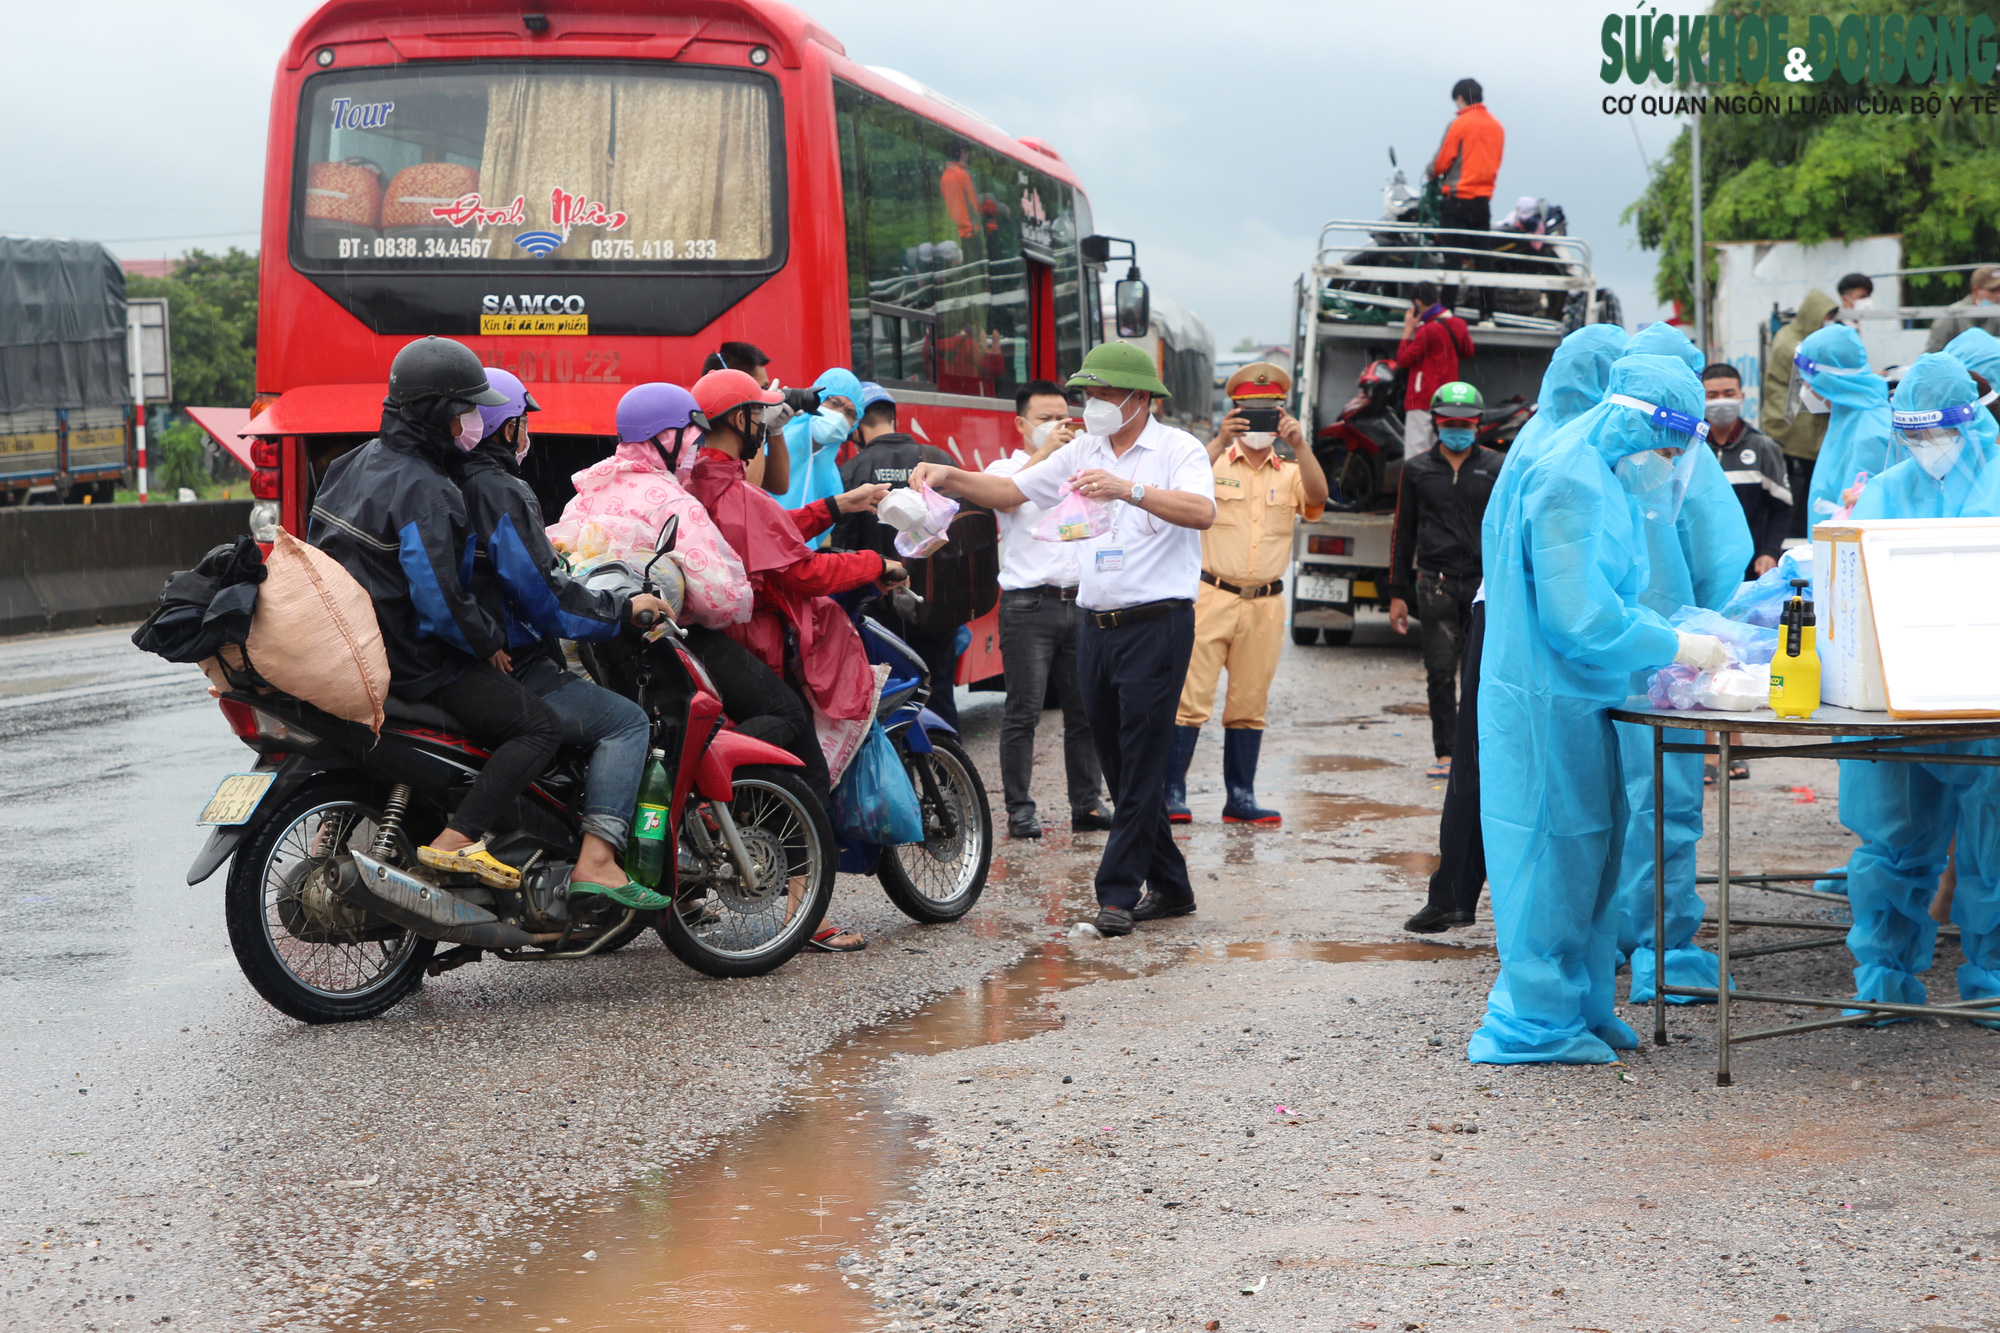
(940, 878)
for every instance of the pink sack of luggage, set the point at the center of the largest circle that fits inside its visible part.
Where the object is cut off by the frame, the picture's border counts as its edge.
(314, 634)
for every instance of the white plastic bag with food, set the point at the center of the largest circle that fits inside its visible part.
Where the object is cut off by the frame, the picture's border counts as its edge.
(314, 634)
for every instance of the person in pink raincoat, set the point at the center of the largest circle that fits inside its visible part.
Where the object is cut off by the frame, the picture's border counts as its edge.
(629, 496)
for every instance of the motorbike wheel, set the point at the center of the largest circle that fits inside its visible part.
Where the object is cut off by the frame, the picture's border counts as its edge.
(790, 843)
(940, 878)
(307, 952)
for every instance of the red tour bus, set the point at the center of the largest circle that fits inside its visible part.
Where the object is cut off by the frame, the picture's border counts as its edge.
(599, 193)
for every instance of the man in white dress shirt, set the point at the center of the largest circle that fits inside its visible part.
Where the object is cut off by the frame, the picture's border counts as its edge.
(1040, 627)
(1136, 585)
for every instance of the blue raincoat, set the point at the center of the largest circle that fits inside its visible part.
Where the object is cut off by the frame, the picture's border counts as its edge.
(1906, 814)
(1565, 563)
(1857, 428)
(1698, 561)
(816, 458)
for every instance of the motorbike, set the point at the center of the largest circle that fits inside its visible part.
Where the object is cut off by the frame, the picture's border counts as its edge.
(332, 919)
(1361, 450)
(940, 878)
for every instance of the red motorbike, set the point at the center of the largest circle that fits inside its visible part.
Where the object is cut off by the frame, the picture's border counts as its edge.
(1361, 450)
(332, 919)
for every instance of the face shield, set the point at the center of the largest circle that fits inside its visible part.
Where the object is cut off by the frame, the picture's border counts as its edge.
(1658, 477)
(1799, 395)
(1935, 439)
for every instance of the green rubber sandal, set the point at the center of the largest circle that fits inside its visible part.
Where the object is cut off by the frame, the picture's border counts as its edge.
(630, 894)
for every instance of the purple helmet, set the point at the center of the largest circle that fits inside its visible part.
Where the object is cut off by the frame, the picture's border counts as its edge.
(649, 409)
(519, 401)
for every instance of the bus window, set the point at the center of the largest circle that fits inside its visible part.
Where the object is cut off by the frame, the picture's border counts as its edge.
(506, 166)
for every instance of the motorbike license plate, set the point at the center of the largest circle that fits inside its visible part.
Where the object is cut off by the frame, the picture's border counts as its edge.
(236, 798)
(1319, 588)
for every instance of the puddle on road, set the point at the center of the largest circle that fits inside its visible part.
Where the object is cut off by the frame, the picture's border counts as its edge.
(1313, 764)
(748, 1238)
(1317, 809)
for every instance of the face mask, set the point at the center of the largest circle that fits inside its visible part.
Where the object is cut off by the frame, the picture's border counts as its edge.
(1813, 403)
(1456, 438)
(830, 426)
(1644, 471)
(1039, 436)
(471, 429)
(753, 437)
(1863, 303)
(1104, 418)
(1935, 450)
(1723, 411)
(522, 446)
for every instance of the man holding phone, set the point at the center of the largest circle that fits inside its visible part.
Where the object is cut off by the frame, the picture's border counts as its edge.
(1239, 615)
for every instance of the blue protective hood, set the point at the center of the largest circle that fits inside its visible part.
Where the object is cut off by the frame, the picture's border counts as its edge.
(1839, 347)
(1578, 372)
(1616, 431)
(1972, 488)
(1666, 340)
(1979, 352)
(840, 382)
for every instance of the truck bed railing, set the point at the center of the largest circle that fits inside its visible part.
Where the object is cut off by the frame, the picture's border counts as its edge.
(1435, 254)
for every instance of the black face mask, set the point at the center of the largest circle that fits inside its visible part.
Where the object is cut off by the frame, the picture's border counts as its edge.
(751, 427)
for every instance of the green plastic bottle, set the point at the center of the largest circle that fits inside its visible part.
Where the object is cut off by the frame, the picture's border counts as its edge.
(646, 858)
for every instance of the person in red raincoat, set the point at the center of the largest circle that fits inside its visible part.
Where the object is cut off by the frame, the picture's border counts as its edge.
(795, 627)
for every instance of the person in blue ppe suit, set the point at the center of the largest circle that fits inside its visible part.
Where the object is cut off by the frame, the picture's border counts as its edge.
(813, 440)
(1698, 559)
(1943, 463)
(1565, 569)
(1833, 365)
(1979, 352)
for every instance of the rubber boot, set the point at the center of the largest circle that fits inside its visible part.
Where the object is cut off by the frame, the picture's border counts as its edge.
(1177, 770)
(1239, 777)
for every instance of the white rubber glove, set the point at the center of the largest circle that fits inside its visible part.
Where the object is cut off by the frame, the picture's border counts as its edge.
(1703, 651)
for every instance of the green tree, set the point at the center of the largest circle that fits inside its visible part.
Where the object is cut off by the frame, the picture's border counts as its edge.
(1934, 179)
(212, 305)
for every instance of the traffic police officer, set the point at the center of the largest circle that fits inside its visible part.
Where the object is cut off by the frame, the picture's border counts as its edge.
(1239, 616)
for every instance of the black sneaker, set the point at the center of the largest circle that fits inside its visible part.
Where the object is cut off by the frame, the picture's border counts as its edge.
(1114, 921)
(1097, 819)
(1152, 907)
(1430, 920)
(1025, 826)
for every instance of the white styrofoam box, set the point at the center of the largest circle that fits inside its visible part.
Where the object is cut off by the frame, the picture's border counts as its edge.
(1908, 622)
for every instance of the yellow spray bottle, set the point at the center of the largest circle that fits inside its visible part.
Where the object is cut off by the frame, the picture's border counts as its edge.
(1795, 668)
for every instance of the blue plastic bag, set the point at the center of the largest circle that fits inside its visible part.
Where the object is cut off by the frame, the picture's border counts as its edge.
(1762, 600)
(875, 801)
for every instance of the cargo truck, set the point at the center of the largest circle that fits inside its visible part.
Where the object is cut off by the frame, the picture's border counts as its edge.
(65, 394)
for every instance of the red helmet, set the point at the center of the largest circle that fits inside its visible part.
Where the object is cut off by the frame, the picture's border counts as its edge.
(721, 392)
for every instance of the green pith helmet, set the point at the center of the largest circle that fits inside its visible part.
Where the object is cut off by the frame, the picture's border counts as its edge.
(1457, 399)
(1118, 366)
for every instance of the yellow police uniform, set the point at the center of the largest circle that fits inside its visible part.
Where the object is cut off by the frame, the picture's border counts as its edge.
(1239, 616)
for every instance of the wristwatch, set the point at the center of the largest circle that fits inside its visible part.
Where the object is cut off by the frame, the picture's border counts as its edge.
(1138, 494)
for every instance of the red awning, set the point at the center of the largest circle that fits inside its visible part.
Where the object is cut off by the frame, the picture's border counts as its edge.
(225, 425)
(356, 409)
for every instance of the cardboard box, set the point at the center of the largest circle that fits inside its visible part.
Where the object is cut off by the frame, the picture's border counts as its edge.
(1909, 623)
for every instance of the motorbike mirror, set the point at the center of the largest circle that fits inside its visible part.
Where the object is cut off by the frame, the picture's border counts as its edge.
(1134, 307)
(1392, 155)
(668, 532)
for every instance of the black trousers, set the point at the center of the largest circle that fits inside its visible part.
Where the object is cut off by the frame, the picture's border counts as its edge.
(940, 654)
(1444, 604)
(1461, 868)
(1132, 678)
(1798, 476)
(518, 729)
(1468, 215)
(760, 703)
(1038, 646)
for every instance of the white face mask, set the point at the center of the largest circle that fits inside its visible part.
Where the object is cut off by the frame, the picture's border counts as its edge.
(1104, 418)
(1863, 303)
(1039, 436)
(1812, 402)
(471, 429)
(521, 449)
(1259, 439)
(1644, 471)
(1935, 450)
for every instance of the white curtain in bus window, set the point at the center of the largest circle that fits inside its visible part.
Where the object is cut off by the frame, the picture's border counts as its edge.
(650, 169)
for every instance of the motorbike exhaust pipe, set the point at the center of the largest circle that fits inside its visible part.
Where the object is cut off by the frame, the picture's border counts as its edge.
(423, 907)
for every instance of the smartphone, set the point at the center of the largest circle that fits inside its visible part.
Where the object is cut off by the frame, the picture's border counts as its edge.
(1261, 419)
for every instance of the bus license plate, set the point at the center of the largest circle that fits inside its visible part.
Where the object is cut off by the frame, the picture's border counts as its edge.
(1319, 588)
(236, 798)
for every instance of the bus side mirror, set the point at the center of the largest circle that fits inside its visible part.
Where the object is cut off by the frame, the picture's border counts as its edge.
(1133, 305)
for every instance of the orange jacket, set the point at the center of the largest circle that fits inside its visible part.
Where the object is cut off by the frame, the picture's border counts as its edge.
(1469, 158)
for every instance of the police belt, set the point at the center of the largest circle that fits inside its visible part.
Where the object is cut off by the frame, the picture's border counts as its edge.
(1261, 590)
(1132, 615)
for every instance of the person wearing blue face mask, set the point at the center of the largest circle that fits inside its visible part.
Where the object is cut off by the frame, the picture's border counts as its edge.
(813, 440)
(1434, 550)
(1942, 463)
(1566, 566)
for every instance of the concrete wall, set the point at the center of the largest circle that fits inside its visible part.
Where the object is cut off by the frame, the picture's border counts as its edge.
(69, 566)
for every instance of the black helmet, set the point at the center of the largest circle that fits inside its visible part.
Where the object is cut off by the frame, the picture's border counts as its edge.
(440, 368)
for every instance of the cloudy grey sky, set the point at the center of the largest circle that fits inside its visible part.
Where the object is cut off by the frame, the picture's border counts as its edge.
(1219, 135)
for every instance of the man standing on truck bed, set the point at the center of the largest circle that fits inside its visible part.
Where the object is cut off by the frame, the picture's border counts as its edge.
(1434, 550)
(1433, 341)
(1466, 166)
(1239, 615)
